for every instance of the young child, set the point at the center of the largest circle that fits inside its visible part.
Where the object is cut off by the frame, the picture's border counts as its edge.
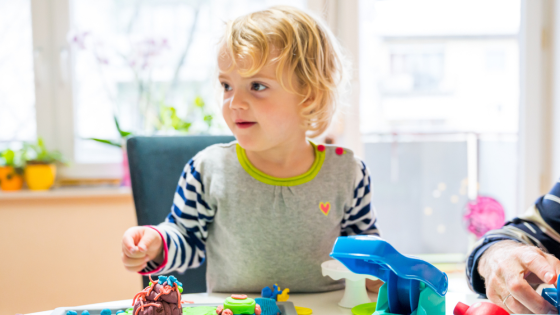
(268, 207)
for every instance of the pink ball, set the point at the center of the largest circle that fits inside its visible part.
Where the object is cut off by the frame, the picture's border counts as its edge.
(484, 214)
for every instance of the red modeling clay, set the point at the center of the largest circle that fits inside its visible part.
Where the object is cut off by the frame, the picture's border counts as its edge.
(480, 308)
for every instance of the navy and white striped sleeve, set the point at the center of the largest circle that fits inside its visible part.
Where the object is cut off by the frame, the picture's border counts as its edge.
(539, 226)
(185, 229)
(360, 218)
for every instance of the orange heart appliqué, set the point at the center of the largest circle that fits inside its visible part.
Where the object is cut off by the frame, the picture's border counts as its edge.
(325, 207)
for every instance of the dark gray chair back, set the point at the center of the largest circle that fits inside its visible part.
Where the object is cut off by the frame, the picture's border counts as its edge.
(156, 163)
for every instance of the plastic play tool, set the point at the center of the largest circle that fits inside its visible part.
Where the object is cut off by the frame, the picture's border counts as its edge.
(240, 306)
(551, 295)
(480, 308)
(412, 286)
(71, 313)
(364, 309)
(105, 311)
(355, 292)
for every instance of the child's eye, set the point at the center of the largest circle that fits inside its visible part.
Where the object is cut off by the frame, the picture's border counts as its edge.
(257, 86)
(226, 86)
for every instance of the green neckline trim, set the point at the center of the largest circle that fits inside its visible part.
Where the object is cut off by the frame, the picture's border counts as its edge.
(275, 181)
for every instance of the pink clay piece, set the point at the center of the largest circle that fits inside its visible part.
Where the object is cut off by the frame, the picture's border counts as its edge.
(219, 309)
(258, 309)
(238, 296)
(227, 312)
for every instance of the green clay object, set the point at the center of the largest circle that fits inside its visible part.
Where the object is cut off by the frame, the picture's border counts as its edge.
(246, 306)
(129, 311)
(199, 310)
(180, 289)
(364, 309)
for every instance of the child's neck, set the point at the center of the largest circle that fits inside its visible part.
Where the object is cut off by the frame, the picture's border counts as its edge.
(286, 160)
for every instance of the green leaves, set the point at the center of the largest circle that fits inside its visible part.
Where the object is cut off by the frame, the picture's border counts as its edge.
(123, 134)
(37, 153)
(170, 120)
(109, 142)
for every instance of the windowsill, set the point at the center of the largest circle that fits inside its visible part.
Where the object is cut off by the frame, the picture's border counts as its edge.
(67, 193)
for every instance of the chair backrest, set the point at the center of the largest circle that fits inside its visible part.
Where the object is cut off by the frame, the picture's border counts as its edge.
(156, 163)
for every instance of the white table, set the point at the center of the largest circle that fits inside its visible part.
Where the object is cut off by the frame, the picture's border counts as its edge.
(320, 303)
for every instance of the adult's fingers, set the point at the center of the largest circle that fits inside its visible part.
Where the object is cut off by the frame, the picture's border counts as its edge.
(524, 294)
(555, 264)
(497, 291)
(540, 264)
(512, 305)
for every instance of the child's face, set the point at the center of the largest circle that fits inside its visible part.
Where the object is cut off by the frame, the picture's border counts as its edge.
(259, 112)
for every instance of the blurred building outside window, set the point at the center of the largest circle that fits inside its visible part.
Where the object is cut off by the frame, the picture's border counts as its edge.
(431, 79)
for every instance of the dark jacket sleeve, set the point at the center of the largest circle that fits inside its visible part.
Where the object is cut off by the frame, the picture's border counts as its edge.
(539, 226)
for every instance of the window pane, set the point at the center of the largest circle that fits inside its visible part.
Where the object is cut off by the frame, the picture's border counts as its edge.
(167, 49)
(17, 91)
(428, 77)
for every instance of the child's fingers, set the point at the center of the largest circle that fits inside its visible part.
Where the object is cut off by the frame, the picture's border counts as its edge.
(129, 241)
(149, 243)
(134, 262)
(136, 268)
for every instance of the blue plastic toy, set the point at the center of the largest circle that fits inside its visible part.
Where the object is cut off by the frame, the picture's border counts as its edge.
(551, 294)
(105, 311)
(71, 313)
(85, 312)
(412, 286)
(268, 306)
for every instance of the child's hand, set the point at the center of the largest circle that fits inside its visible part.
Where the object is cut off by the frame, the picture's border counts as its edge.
(141, 244)
(373, 285)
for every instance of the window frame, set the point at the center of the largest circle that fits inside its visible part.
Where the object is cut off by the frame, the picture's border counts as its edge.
(51, 22)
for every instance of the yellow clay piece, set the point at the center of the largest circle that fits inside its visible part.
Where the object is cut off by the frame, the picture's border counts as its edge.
(303, 310)
(283, 297)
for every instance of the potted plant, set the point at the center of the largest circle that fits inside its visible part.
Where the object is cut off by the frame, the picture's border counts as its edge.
(40, 168)
(11, 170)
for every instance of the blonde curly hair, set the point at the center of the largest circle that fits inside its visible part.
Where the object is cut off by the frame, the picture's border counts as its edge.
(307, 48)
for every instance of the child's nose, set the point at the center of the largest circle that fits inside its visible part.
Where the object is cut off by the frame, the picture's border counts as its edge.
(238, 101)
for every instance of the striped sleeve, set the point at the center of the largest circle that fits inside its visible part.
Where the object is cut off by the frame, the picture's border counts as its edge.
(185, 229)
(360, 218)
(539, 226)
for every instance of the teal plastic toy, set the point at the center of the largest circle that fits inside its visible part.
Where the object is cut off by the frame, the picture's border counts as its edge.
(412, 286)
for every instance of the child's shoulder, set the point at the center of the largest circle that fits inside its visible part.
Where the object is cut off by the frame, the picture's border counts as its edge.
(338, 154)
(215, 153)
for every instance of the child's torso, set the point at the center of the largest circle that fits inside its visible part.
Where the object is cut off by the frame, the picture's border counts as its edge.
(264, 234)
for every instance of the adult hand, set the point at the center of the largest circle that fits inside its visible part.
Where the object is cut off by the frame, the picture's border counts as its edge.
(373, 285)
(141, 244)
(508, 267)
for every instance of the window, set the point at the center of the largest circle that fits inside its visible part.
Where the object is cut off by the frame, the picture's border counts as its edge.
(431, 80)
(133, 57)
(17, 92)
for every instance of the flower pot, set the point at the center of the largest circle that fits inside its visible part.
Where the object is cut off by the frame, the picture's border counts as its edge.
(40, 176)
(10, 179)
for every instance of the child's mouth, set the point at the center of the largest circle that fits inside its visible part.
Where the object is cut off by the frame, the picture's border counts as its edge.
(245, 124)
